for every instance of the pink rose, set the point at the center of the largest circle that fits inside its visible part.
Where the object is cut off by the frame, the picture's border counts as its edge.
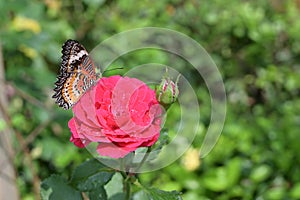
(120, 113)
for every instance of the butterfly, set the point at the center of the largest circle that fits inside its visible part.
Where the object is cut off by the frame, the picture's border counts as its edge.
(77, 74)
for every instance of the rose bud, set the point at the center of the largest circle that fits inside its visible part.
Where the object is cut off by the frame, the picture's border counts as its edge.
(167, 92)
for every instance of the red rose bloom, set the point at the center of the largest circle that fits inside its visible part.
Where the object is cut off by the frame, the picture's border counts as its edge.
(120, 113)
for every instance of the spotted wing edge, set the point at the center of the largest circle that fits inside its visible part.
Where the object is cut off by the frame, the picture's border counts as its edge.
(65, 72)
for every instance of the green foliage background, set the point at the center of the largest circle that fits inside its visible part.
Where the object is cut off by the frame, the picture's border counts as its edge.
(255, 44)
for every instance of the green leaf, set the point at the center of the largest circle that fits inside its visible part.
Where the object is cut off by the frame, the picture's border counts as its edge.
(140, 195)
(224, 177)
(295, 191)
(98, 193)
(87, 169)
(233, 171)
(156, 194)
(114, 186)
(95, 181)
(118, 196)
(275, 193)
(56, 187)
(261, 173)
(216, 180)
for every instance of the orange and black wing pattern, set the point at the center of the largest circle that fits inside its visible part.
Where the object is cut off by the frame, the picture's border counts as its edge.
(77, 74)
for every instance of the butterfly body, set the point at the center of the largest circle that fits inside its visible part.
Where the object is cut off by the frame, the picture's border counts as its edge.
(77, 74)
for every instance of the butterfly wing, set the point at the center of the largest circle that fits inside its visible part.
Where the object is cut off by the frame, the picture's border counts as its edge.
(77, 74)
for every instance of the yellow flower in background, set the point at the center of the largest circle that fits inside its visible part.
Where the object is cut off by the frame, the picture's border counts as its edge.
(28, 51)
(53, 4)
(21, 23)
(191, 160)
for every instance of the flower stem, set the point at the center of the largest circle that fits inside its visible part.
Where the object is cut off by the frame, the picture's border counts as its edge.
(126, 180)
(144, 159)
(127, 188)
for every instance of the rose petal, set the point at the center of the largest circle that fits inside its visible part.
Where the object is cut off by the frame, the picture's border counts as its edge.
(121, 95)
(151, 141)
(75, 138)
(81, 143)
(120, 113)
(111, 150)
(85, 107)
(90, 107)
(91, 133)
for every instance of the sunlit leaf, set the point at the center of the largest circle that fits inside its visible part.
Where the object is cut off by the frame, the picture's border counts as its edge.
(90, 174)
(156, 194)
(56, 187)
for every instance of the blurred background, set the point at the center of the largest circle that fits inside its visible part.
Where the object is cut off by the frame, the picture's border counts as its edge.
(255, 44)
